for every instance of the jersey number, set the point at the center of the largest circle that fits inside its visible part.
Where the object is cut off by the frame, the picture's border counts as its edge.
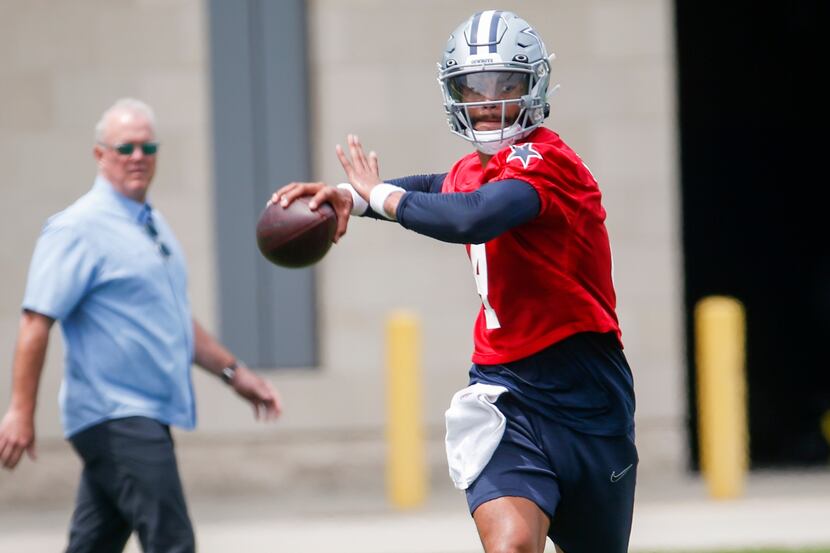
(478, 257)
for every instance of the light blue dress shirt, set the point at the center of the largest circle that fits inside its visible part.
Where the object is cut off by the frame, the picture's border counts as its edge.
(120, 295)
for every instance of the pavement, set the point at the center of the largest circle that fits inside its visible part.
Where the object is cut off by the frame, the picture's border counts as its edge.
(783, 509)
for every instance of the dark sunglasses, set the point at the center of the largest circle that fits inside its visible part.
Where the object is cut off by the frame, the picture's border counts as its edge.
(147, 148)
(150, 226)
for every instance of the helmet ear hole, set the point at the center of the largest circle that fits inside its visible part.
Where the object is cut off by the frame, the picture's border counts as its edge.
(547, 110)
(451, 63)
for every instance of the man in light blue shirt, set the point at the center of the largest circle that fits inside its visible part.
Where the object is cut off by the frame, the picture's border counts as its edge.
(110, 270)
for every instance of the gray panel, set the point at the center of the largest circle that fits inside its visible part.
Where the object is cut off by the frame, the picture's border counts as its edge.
(259, 89)
(288, 292)
(233, 173)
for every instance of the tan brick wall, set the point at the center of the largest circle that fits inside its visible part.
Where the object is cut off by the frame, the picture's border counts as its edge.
(373, 73)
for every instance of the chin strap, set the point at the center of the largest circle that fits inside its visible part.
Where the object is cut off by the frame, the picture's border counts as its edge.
(496, 142)
(491, 148)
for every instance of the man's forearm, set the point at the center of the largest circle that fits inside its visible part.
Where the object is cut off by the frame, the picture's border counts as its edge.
(29, 356)
(209, 353)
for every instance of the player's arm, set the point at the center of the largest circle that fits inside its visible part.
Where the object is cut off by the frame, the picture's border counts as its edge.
(462, 218)
(214, 358)
(469, 218)
(428, 183)
(17, 429)
(431, 183)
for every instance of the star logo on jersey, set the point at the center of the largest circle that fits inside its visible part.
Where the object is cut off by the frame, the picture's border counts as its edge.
(524, 153)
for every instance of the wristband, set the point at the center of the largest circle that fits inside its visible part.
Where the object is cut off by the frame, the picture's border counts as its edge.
(227, 373)
(359, 205)
(378, 197)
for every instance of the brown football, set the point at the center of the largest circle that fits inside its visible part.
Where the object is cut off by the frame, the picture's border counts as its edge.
(295, 236)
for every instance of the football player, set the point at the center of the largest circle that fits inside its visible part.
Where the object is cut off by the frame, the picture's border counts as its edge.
(550, 406)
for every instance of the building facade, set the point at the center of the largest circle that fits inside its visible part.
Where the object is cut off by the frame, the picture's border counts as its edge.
(369, 68)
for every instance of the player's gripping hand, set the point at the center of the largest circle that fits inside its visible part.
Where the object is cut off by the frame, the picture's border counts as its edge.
(17, 434)
(362, 170)
(340, 200)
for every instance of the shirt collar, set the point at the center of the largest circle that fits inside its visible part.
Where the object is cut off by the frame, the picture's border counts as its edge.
(104, 190)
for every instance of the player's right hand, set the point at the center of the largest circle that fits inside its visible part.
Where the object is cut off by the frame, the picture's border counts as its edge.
(17, 434)
(340, 200)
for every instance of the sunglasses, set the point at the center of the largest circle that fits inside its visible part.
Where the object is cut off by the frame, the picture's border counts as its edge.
(151, 229)
(147, 148)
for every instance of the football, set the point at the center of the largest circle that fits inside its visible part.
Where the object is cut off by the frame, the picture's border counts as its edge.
(295, 236)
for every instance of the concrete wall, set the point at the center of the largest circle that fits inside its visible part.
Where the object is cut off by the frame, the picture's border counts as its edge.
(373, 73)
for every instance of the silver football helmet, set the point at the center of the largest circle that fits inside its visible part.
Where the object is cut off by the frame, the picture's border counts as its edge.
(494, 76)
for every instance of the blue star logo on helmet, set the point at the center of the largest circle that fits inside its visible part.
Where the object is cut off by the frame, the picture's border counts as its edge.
(524, 153)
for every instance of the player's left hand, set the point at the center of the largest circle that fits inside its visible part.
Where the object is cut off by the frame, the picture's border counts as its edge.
(259, 393)
(362, 170)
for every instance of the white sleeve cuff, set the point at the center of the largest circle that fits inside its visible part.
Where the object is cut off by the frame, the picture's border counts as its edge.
(359, 205)
(378, 197)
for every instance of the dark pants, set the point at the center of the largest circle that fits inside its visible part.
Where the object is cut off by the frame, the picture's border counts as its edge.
(130, 482)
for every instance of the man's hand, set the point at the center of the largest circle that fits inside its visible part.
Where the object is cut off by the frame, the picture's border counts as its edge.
(339, 199)
(362, 170)
(258, 391)
(17, 434)
(17, 429)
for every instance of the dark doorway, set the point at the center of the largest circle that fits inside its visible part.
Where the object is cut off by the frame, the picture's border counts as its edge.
(755, 222)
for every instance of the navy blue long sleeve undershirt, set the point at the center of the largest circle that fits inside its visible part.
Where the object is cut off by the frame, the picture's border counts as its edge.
(463, 218)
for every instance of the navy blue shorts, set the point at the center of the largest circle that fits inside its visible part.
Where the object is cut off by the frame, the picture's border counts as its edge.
(584, 483)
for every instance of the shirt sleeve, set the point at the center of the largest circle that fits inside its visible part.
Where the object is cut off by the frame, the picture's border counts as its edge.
(552, 174)
(421, 183)
(430, 183)
(470, 218)
(62, 271)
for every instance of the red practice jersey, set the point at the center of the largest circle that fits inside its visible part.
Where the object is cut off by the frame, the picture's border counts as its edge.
(549, 278)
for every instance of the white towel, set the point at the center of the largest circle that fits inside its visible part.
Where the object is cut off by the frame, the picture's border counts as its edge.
(474, 429)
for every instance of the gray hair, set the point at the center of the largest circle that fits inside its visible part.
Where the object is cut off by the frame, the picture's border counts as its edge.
(130, 105)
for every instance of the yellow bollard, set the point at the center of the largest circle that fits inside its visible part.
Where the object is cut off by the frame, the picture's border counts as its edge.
(406, 466)
(721, 395)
